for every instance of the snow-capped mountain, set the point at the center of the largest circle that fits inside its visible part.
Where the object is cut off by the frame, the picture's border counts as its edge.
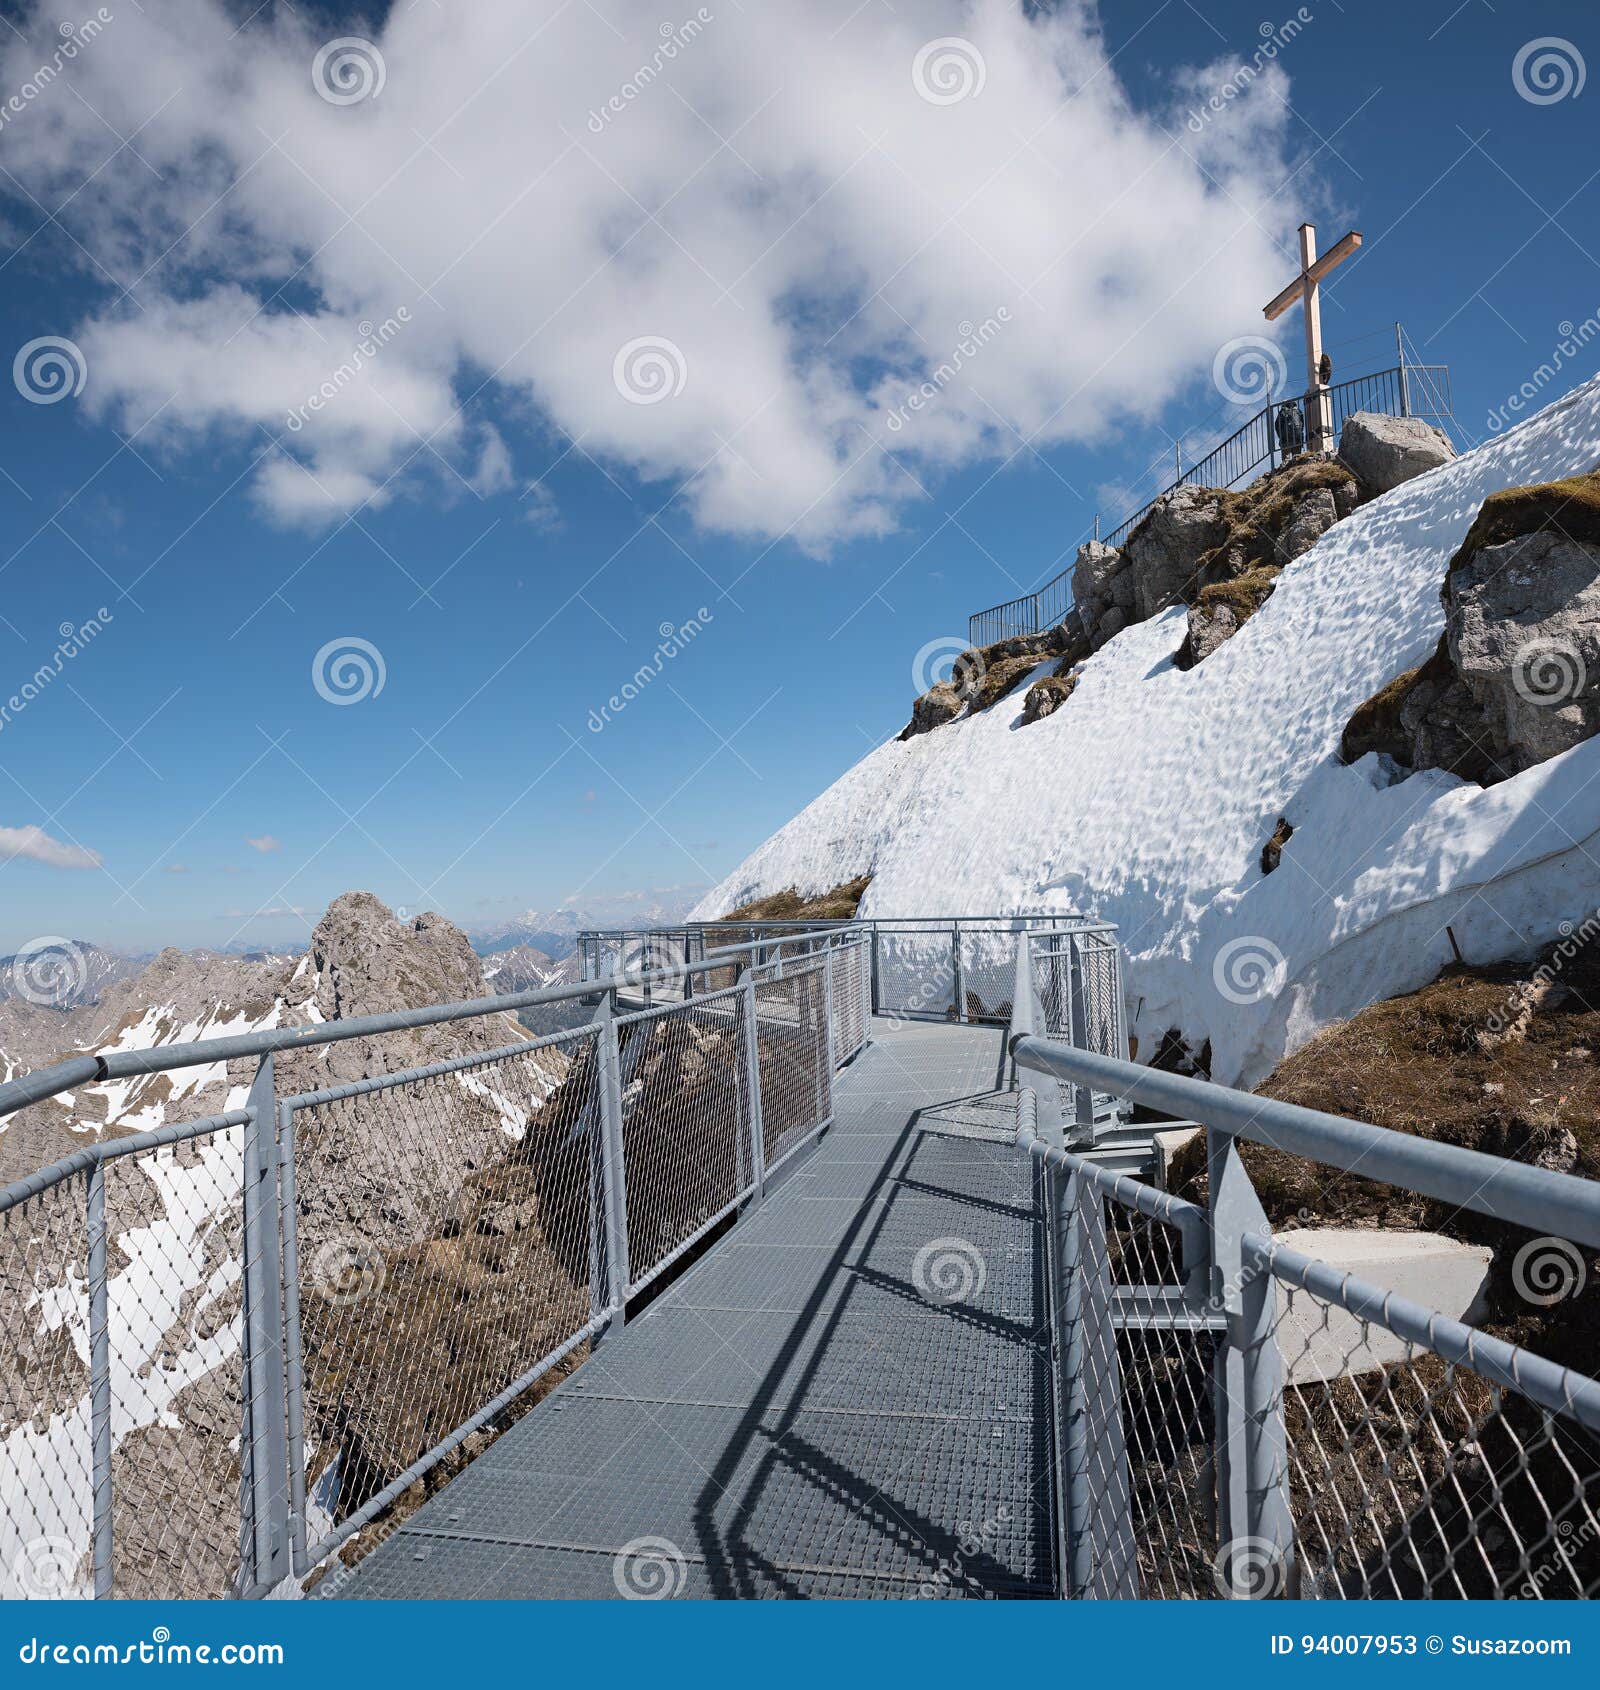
(61, 974)
(1147, 798)
(555, 932)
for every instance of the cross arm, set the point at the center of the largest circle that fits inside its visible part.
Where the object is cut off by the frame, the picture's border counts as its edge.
(1335, 255)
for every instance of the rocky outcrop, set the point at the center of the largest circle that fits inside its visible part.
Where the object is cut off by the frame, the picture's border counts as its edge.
(1212, 549)
(1383, 452)
(982, 676)
(1047, 696)
(1092, 572)
(1515, 679)
(1272, 851)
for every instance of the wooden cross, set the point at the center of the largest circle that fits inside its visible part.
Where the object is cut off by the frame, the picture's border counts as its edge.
(1319, 421)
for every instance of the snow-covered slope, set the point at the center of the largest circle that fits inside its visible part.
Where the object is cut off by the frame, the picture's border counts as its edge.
(1147, 798)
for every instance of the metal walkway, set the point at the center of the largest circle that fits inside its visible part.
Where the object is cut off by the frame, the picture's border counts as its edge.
(803, 1414)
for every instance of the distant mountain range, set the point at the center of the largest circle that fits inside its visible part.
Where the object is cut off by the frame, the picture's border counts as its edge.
(64, 973)
(555, 932)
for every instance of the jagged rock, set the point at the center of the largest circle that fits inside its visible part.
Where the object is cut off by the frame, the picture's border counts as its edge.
(938, 705)
(1523, 627)
(999, 678)
(1163, 552)
(1221, 610)
(1516, 677)
(1092, 573)
(1315, 512)
(1111, 623)
(1047, 696)
(1386, 451)
(1272, 851)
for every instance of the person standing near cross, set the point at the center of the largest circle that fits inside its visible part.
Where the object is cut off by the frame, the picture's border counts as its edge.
(1319, 418)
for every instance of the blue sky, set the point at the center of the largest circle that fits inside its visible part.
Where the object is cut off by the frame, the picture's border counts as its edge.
(521, 556)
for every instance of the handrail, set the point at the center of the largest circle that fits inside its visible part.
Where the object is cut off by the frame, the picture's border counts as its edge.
(1379, 385)
(127, 1064)
(1537, 1198)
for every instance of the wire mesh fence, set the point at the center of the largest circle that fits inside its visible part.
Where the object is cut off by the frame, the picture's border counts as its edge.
(1237, 1419)
(120, 1391)
(1424, 1458)
(232, 1345)
(796, 1078)
(686, 1128)
(442, 1239)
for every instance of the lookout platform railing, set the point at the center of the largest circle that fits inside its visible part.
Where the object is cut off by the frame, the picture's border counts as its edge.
(1407, 390)
(234, 1344)
(1239, 1415)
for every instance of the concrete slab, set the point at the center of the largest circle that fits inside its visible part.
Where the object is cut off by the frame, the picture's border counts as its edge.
(1323, 1342)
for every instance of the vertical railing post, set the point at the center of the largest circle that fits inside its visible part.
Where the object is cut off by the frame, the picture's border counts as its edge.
(752, 1036)
(294, 1359)
(100, 1381)
(959, 971)
(875, 966)
(1254, 1529)
(828, 958)
(264, 1457)
(613, 1169)
(1078, 1024)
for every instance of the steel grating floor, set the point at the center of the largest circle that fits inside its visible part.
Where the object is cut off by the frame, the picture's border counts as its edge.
(795, 1417)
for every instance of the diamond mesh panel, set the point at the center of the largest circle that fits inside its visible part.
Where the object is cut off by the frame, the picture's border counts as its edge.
(1411, 1476)
(174, 1228)
(796, 1086)
(45, 1496)
(448, 1242)
(685, 1130)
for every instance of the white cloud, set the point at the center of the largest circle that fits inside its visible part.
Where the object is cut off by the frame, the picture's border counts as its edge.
(776, 200)
(264, 843)
(40, 847)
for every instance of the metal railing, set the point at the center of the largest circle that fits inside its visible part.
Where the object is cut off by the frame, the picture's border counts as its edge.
(1238, 1417)
(923, 968)
(231, 1345)
(1408, 390)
